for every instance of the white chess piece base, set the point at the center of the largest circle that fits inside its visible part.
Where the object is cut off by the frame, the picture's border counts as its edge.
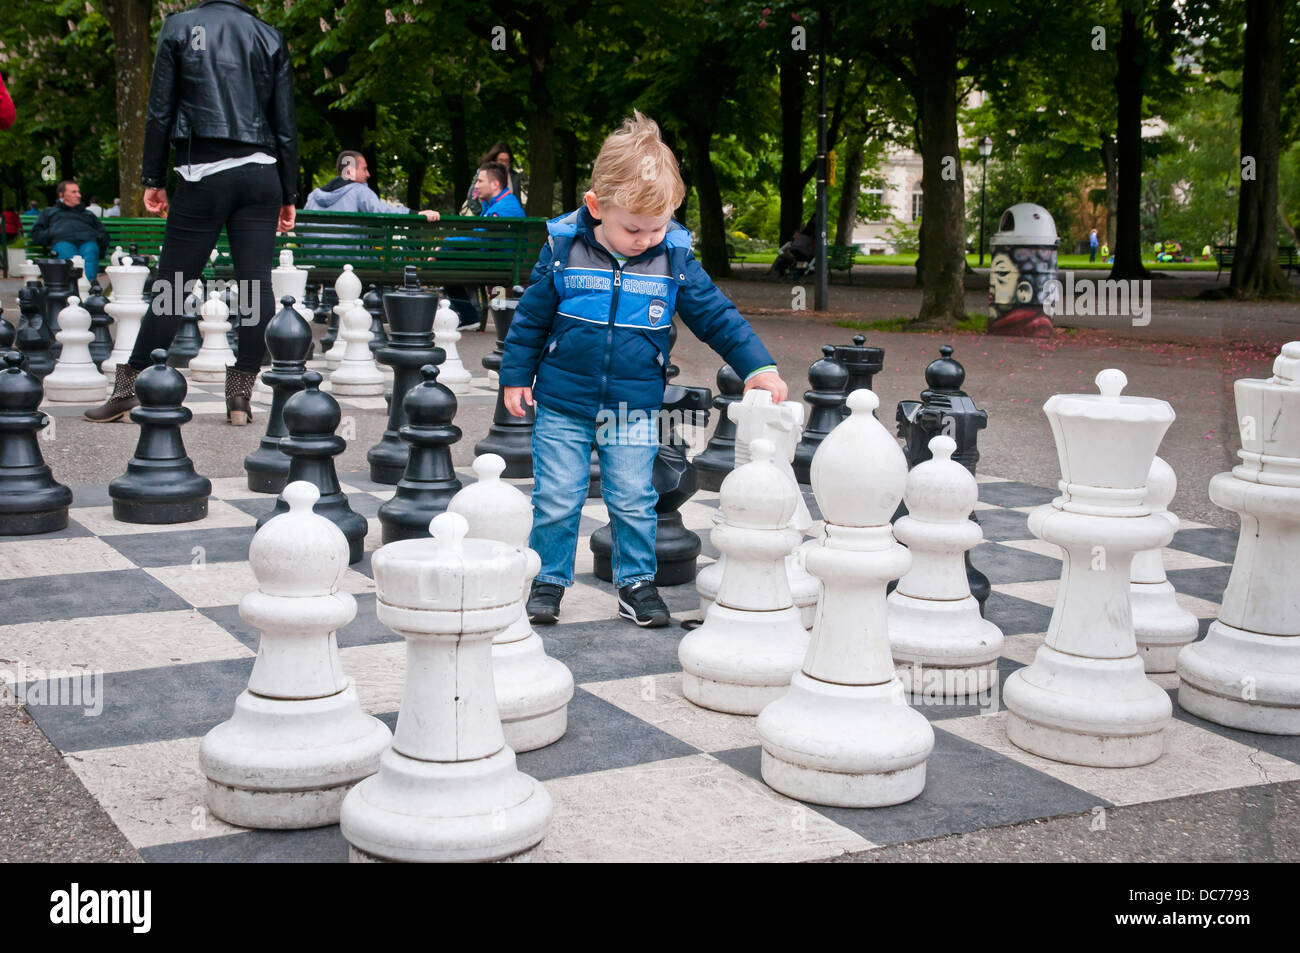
(943, 647)
(740, 661)
(288, 763)
(845, 745)
(533, 692)
(1243, 680)
(1161, 626)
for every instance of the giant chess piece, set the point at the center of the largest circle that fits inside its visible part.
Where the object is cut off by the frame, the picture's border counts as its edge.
(32, 338)
(410, 346)
(59, 283)
(718, 458)
(752, 639)
(82, 289)
(511, 439)
(449, 788)
(298, 740)
(373, 303)
(843, 735)
(430, 480)
(160, 485)
(209, 364)
(288, 341)
(312, 417)
(101, 344)
(127, 306)
(1245, 673)
(757, 418)
(533, 690)
(357, 375)
(7, 332)
(1160, 625)
(230, 298)
(944, 408)
(31, 501)
(188, 340)
(503, 312)
(1086, 699)
(28, 271)
(676, 547)
(326, 315)
(942, 645)
(452, 374)
(828, 378)
(348, 288)
(74, 379)
(288, 279)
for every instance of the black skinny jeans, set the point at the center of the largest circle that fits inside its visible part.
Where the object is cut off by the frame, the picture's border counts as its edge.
(246, 201)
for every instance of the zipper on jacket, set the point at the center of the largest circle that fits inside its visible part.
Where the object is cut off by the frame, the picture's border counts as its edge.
(609, 331)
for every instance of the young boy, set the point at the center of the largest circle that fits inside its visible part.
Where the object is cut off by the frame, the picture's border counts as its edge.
(589, 345)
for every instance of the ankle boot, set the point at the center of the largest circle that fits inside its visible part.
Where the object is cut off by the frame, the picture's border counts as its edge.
(239, 395)
(123, 399)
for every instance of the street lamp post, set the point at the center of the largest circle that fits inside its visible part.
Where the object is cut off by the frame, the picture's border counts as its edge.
(986, 147)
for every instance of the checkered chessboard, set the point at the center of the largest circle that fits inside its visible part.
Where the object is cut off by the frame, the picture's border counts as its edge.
(641, 775)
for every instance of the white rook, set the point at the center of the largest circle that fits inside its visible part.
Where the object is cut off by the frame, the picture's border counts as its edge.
(448, 789)
(298, 739)
(844, 734)
(1246, 672)
(1086, 699)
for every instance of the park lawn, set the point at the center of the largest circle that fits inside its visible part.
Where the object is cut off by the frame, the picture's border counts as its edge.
(1063, 262)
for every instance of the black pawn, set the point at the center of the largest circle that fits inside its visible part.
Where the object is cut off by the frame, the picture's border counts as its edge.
(430, 480)
(863, 363)
(311, 299)
(7, 332)
(31, 501)
(312, 417)
(944, 408)
(288, 341)
(718, 458)
(373, 302)
(32, 336)
(101, 344)
(160, 485)
(410, 317)
(326, 315)
(188, 340)
(828, 378)
(676, 547)
(511, 438)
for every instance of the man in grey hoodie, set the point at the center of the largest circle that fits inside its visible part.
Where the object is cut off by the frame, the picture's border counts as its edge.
(348, 192)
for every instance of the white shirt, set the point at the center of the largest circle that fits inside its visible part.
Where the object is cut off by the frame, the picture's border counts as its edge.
(201, 170)
(96, 210)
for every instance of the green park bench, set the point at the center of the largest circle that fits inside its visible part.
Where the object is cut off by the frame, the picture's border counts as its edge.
(458, 250)
(1288, 257)
(840, 258)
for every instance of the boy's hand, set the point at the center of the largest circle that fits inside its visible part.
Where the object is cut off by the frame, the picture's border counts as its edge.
(769, 381)
(517, 398)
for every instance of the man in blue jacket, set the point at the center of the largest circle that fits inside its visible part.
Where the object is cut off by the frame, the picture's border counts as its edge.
(589, 347)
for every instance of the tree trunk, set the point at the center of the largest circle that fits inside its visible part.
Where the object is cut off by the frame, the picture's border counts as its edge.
(461, 176)
(539, 40)
(792, 82)
(1131, 54)
(1255, 270)
(849, 193)
(669, 135)
(569, 172)
(415, 184)
(133, 59)
(713, 235)
(1112, 179)
(943, 245)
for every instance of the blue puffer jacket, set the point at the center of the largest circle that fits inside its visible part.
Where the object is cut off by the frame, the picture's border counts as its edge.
(589, 335)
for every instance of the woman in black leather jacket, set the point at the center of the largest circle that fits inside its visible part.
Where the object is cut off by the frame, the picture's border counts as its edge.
(222, 96)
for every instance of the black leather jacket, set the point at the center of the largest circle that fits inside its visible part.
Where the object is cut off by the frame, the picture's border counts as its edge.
(221, 73)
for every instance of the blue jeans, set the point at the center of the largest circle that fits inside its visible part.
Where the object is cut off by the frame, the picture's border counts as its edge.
(561, 466)
(87, 250)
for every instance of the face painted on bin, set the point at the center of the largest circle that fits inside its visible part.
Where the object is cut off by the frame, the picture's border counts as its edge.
(624, 232)
(1003, 275)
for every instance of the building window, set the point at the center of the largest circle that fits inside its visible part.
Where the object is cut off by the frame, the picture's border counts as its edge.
(871, 202)
(916, 206)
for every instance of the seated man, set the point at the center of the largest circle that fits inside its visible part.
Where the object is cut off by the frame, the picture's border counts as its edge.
(68, 228)
(492, 186)
(348, 192)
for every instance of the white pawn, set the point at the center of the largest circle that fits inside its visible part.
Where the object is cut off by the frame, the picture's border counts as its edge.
(844, 734)
(451, 372)
(1162, 627)
(127, 307)
(215, 353)
(74, 378)
(348, 287)
(357, 375)
(941, 645)
(449, 788)
(115, 259)
(757, 418)
(533, 689)
(752, 639)
(83, 283)
(298, 740)
(29, 270)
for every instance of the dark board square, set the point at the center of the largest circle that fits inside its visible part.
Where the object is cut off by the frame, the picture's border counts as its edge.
(1005, 564)
(1015, 616)
(612, 648)
(256, 507)
(1003, 524)
(90, 494)
(319, 845)
(1220, 544)
(1015, 494)
(177, 549)
(1207, 583)
(601, 736)
(76, 595)
(73, 530)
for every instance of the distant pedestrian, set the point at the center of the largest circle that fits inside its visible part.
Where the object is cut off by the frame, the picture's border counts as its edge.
(114, 211)
(94, 208)
(1092, 245)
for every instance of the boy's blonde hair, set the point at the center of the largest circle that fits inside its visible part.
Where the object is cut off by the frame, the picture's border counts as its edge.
(636, 171)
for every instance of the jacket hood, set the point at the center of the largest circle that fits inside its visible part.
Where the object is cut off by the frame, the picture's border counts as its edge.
(330, 194)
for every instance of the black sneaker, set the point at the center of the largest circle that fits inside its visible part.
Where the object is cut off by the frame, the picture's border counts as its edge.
(640, 603)
(544, 603)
